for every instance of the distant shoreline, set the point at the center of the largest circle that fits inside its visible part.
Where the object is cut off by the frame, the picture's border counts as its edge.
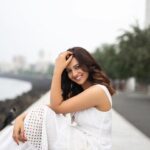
(40, 85)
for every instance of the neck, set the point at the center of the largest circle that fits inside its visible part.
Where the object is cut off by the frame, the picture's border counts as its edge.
(86, 85)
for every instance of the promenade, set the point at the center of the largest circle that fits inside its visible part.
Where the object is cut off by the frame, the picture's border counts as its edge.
(124, 135)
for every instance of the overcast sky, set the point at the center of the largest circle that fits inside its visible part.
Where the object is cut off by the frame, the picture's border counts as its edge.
(28, 26)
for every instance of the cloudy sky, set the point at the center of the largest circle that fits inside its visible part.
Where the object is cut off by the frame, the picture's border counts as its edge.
(29, 26)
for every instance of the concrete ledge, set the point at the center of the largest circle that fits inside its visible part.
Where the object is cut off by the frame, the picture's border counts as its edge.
(124, 135)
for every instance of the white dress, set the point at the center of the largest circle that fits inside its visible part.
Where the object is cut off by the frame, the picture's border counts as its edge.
(46, 130)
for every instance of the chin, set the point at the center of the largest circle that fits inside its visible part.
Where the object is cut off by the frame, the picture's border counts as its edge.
(80, 83)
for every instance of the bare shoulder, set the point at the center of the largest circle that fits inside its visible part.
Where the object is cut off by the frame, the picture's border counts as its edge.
(99, 93)
(96, 90)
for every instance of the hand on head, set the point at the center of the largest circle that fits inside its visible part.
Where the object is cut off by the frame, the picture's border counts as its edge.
(63, 60)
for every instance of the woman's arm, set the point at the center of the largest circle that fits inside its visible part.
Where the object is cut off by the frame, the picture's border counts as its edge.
(56, 93)
(56, 97)
(91, 97)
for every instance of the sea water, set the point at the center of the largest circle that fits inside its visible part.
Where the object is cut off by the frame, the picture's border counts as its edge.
(10, 88)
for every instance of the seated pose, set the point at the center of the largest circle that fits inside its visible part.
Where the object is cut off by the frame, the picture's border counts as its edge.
(79, 87)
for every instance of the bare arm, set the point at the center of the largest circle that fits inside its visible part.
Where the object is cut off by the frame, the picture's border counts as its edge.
(61, 63)
(92, 97)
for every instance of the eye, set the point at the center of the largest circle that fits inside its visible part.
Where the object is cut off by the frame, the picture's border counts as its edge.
(77, 66)
(68, 70)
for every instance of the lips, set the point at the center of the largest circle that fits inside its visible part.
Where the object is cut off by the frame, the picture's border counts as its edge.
(78, 78)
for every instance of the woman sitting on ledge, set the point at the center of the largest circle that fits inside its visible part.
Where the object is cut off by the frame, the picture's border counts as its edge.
(79, 87)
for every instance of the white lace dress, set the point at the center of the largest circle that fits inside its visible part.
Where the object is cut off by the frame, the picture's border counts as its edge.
(46, 130)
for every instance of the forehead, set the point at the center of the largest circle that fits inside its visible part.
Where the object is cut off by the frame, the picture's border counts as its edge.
(72, 63)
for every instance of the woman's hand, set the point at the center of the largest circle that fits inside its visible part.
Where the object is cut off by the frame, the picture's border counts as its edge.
(63, 60)
(18, 130)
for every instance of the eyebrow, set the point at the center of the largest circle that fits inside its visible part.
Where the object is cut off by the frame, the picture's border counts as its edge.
(73, 66)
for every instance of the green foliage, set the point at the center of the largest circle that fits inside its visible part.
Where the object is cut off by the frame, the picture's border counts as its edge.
(107, 58)
(130, 57)
(134, 53)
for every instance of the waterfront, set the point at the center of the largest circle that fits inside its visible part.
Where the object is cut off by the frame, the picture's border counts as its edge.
(11, 88)
(40, 85)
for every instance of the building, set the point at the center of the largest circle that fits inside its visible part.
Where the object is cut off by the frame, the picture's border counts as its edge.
(147, 13)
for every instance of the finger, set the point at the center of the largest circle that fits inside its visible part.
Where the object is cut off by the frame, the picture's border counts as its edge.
(16, 139)
(69, 59)
(22, 134)
(20, 137)
(68, 55)
(17, 135)
(65, 53)
(69, 52)
(23, 137)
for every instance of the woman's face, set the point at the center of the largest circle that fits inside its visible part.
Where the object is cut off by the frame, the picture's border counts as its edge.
(77, 74)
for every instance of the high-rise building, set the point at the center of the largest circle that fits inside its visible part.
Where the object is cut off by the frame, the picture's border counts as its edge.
(147, 13)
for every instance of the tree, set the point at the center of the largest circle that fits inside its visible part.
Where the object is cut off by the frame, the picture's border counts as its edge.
(134, 53)
(130, 57)
(107, 58)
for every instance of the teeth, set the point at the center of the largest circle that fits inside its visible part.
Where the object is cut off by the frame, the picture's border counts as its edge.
(78, 78)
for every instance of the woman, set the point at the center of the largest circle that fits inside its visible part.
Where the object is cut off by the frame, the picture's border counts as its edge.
(79, 87)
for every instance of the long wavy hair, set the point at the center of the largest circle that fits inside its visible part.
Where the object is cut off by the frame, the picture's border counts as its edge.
(88, 64)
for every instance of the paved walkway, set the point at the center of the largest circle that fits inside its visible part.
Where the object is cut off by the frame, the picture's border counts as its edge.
(124, 135)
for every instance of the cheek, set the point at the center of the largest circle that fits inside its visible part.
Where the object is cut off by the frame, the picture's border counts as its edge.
(69, 75)
(87, 75)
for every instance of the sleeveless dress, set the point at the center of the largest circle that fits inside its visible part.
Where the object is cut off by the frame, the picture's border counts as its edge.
(89, 129)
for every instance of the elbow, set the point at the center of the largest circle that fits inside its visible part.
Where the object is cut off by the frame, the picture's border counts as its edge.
(56, 109)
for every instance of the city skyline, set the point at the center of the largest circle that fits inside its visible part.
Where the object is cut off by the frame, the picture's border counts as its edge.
(53, 26)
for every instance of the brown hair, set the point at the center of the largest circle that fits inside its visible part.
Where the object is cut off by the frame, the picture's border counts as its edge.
(87, 63)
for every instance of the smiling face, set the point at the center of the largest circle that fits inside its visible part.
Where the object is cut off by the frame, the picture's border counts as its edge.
(77, 74)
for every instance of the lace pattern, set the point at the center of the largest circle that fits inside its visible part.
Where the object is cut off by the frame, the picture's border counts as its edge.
(33, 127)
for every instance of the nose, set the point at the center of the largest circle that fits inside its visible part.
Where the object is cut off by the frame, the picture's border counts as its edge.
(74, 73)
